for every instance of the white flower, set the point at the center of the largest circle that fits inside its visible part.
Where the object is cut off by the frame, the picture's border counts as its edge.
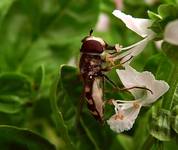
(171, 32)
(125, 116)
(147, 90)
(139, 26)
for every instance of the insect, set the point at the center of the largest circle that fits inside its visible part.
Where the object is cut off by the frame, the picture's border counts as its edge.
(92, 72)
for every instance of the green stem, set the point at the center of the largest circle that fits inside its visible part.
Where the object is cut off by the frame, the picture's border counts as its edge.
(168, 98)
(148, 143)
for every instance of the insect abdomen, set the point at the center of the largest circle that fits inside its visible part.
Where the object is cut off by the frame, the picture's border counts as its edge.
(94, 97)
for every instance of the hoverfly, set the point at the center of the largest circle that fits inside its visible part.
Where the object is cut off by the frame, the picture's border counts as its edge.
(92, 72)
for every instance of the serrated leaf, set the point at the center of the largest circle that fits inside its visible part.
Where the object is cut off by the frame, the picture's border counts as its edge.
(17, 138)
(10, 104)
(14, 84)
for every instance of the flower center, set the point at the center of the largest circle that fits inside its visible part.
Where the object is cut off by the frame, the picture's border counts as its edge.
(119, 116)
(136, 105)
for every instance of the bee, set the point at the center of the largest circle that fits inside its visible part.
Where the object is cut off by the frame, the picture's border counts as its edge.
(92, 70)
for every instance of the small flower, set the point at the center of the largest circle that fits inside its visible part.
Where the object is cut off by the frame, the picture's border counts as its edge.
(139, 26)
(171, 32)
(125, 116)
(146, 90)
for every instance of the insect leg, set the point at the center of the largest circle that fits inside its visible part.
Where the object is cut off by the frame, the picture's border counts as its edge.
(109, 80)
(116, 88)
(136, 87)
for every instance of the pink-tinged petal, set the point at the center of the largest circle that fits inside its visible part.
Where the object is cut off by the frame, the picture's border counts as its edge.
(138, 25)
(131, 78)
(119, 4)
(103, 23)
(171, 32)
(125, 116)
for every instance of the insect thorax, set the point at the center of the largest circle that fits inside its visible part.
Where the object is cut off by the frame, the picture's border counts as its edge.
(90, 65)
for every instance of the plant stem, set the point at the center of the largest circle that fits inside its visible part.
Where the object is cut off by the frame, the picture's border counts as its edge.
(148, 143)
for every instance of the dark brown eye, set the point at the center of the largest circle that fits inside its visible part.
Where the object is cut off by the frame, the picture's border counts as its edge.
(92, 46)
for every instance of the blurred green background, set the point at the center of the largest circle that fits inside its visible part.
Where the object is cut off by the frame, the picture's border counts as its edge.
(38, 106)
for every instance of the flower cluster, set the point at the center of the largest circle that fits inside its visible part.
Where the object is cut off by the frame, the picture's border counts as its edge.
(142, 85)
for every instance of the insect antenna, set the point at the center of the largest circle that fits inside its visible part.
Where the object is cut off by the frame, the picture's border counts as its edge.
(91, 31)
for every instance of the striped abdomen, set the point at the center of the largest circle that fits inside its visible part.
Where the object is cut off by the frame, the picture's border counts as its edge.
(94, 96)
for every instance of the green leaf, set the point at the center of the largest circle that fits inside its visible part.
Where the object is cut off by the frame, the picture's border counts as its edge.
(58, 117)
(10, 104)
(4, 7)
(70, 76)
(17, 138)
(168, 10)
(173, 83)
(153, 63)
(174, 113)
(39, 77)
(171, 51)
(14, 84)
(125, 141)
(81, 13)
(160, 125)
(170, 145)
(164, 69)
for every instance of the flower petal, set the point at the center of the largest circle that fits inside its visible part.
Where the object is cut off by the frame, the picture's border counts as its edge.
(131, 78)
(171, 32)
(138, 25)
(125, 116)
(132, 51)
